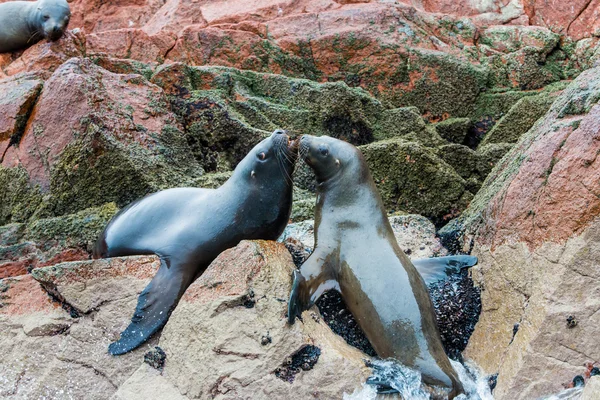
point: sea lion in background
(23, 23)
(189, 227)
(357, 254)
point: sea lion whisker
(281, 163)
(32, 37)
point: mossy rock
(98, 169)
(212, 180)
(452, 91)
(413, 179)
(408, 123)
(511, 38)
(519, 119)
(222, 105)
(218, 136)
(526, 69)
(488, 157)
(11, 234)
(454, 130)
(19, 200)
(81, 229)
(461, 158)
(303, 207)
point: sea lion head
(329, 157)
(53, 17)
(271, 158)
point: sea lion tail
(438, 268)
(155, 304)
(101, 248)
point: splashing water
(474, 382)
(408, 382)
(567, 394)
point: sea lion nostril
(279, 131)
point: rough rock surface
(418, 175)
(51, 353)
(131, 130)
(535, 229)
(48, 241)
(592, 389)
(399, 51)
(206, 354)
(234, 360)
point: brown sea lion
(357, 254)
(189, 227)
(24, 23)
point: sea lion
(357, 254)
(189, 227)
(23, 23)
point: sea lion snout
(55, 16)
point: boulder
(90, 302)
(60, 352)
(412, 178)
(49, 241)
(208, 355)
(415, 234)
(454, 129)
(534, 227)
(17, 97)
(592, 389)
(519, 119)
(110, 146)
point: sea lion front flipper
(297, 302)
(155, 304)
(437, 268)
(306, 291)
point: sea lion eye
(46, 17)
(324, 151)
(261, 156)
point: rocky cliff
(480, 116)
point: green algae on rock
(419, 181)
(519, 119)
(454, 130)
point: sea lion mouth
(293, 145)
(54, 35)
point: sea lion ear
(337, 162)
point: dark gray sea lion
(23, 23)
(357, 254)
(189, 227)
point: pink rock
(554, 195)
(17, 97)
(577, 18)
(23, 295)
(77, 93)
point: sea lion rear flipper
(437, 268)
(155, 304)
